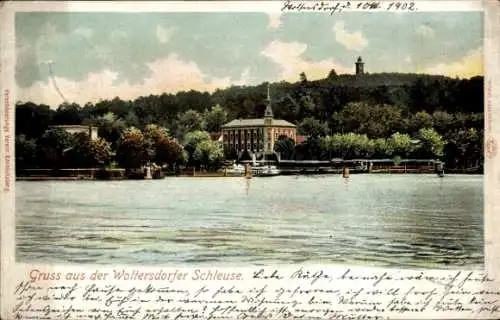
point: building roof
(73, 126)
(257, 122)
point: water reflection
(247, 186)
(346, 182)
(390, 220)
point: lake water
(418, 221)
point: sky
(96, 56)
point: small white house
(92, 131)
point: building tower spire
(269, 109)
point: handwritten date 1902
(401, 6)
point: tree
(400, 144)
(313, 128)
(209, 154)
(215, 119)
(307, 106)
(170, 152)
(197, 101)
(336, 146)
(132, 120)
(87, 153)
(78, 154)
(431, 143)
(51, 148)
(191, 120)
(358, 146)
(285, 147)
(153, 133)
(418, 94)
(382, 148)
(464, 149)
(132, 151)
(248, 108)
(163, 148)
(380, 95)
(110, 127)
(147, 110)
(192, 140)
(33, 120)
(350, 145)
(25, 152)
(442, 121)
(376, 121)
(68, 114)
(332, 74)
(313, 148)
(100, 152)
(421, 120)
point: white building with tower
(257, 136)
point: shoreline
(222, 175)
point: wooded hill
(375, 105)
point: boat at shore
(236, 170)
(265, 171)
(254, 171)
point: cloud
(425, 31)
(24, 51)
(48, 33)
(170, 74)
(99, 52)
(274, 20)
(164, 34)
(289, 56)
(352, 41)
(46, 44)
(245, 78)
(408, 59)
(468, 66)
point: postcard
(249, 160)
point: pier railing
(356, 165)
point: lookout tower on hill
(360, 67)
